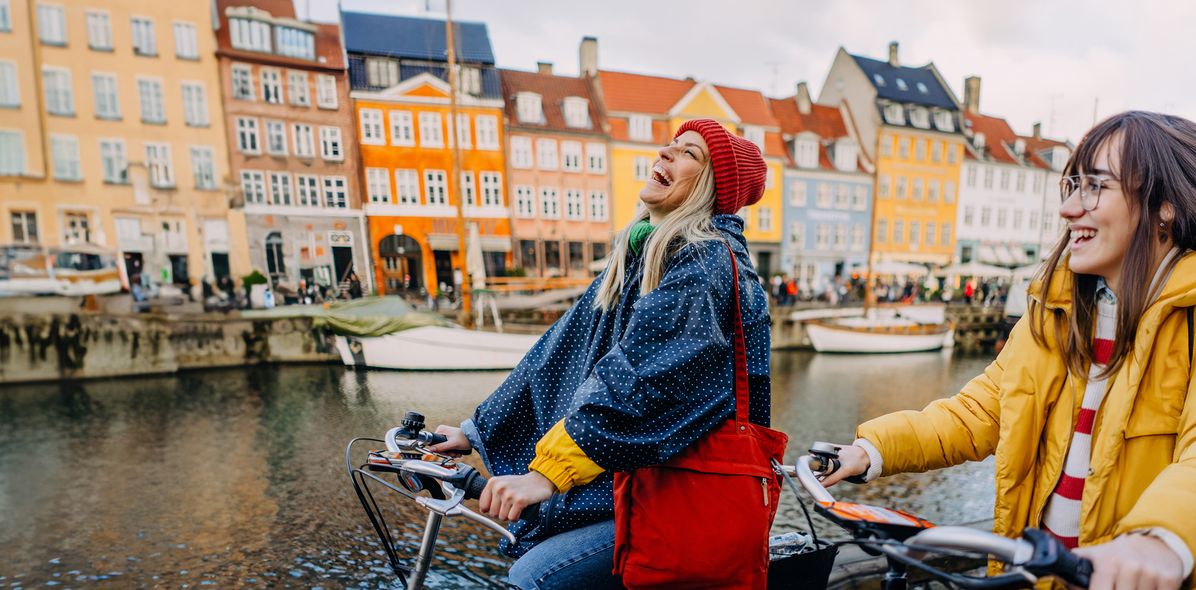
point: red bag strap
(737, 344)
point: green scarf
(638, 235)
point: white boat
(70, 271)
(436, 348)
(879, 335)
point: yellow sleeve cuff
(563, 462)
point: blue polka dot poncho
(636, 385)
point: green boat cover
(368, 316)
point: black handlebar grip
(1075, 569)
(1050, 557)
(436, 438)
(477, 482)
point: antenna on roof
(775, 66)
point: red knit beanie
(739, 169)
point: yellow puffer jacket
(1024, 406)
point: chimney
(544, 67)
(971, 94)
(893, 54)
(588, 56)
(1037, 130)
(803, 98)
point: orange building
(407, 139)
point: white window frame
(298, 92)
(253, 186)
(550, 202)
(243, 84)
(152, 100)
(574, 205)
(99, 30)
(529, 108)
(332, 145)
(407, 186)
(114, 160)
(599, 206)
(271, 85)
(546, 154)
(525, 201)
(577, 112)
(307, 190)
(859, 198)
(431, 130)
(571, 156)
(64, 150)
(639, 127)
(372, 132)
(805, 152)
(144, 34)
(469, 188)
(436, 187)
(755, 135)
(276, 137)
(797, 193)
(248, 138)
(203, 167)
(5, 17)
(486, 128)
(51, 24)
(596, 158)
(336, 192)
(27, 222)
(281, 189)
(460, 131)
(159, 164)
(59, 91)
(521, 152)
(326, 92)
(304, 137)
(764, 218)
(195, 104)
(642, 168)
(186, 42)
(402, 128)
(491, 183)
(10, 89)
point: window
(599, 208)
(901, 180)
(60, 97)
(203, 167)
(330, 143)
(308, 190)
(326, 91)
(335, 195)
(842, 197)
(295, 42)
(157, 160)
(5, 19)
(550, 203)
(280, 188)
(952, 153)
(51, 24)
(797, 193)
(431, 131)
(276, 138)
(1018, 216)
(186, 44)
(805, 151)
(371, 127)
(988, 178)
(932, 191)
(894, 114)
(822, 236)
(462, 134)
(1038, 178)
(919, 117)
(76, 228)
(305, 146)
(882, 230)
(948, 192)
(253, 185)
(381, 72)
(640, 128)
(898, 231)
(275, 257)
(253, 35)
(492, 189)
(840, 236)
(1002, 217)
(901, 85)
(986, 216)
(969, 215)
(10, 93)
(402, 128)
(1004, 180)
(754, 135)
(107, 104)
(917, 195)
(1033, 220)
(528, 108)
(65, 151)
(468, 189)
(525, 201)
(922, 88)
(407, 184)
(919, 150)
(577, 112)
(882, 186)
(99, 30)
(24, 227)
(546, 154)
(596, 157)
(886, 146)
(297, 91)
(642, 168)
(377, 185)
(846, 154)
(487, 132)
(521, 152)
(247, 140)
(945, 235)
(571, 156)
(944, 121)
(764, 218)
(435, 187)
(573, 205)
(242, 82)
(149, 91)
(271, 86)
(1021, 181)
(859, 198)
(824, 195)
(857, 237)
(971, 176)
(903, 148)
(144, 42)
(112, 161)
(469, 79)
(795, 235)
(929, 234)
(195, 104)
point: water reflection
(236, 477)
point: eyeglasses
(1088, 186)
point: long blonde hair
(688, 224)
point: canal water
(236, 478)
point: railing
(528, 284)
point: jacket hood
(1178, 291)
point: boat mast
(455, 172)
(868, 293)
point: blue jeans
(581, 559)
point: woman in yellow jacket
(1090, 408)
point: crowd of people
(788, 291)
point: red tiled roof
(1037, 145)
(999, 140)
(823, 121)
(750, 105)
(327, 37)
(637, 93)
(552, 90)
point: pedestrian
(1089, 406)
(354, 286)
(640, 370)
(969, 291)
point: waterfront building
(644, 111)
(111, 135)
(827, 196)
(558, 172)
(909, 123)
(398, 70)
(292, 146)
(1055, 153)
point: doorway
(133, 269)
(342, 262)
(444, 270)
(402, 264)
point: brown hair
(1158, 165)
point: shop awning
(449, 242)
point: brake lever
(453, 506)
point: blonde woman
(638, 370)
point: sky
(1064, 63)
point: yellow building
(111, 134)
(645, 111)
(909, 123)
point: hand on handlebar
(1133, 562)
(457, 443)
(506, 496)
(853, 460)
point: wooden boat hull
(434, 348)
(887, 337)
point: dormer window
(640, 128)
(919, 117)
(805, 151)
(754, 135)
(577, 112)
(249, 34)
(978, 141)
(894, 114)
(880, 80)
(944, 121)
(1019, 147)
(528, 108)
(294, 42)
(923, 89)
(901, 85)
(469, 80)
(846, 153)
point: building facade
(111, 135)
(558, 173)
(827, 193)
(398, 73)
(908, 122)
(292, 146)
(1054, 153)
